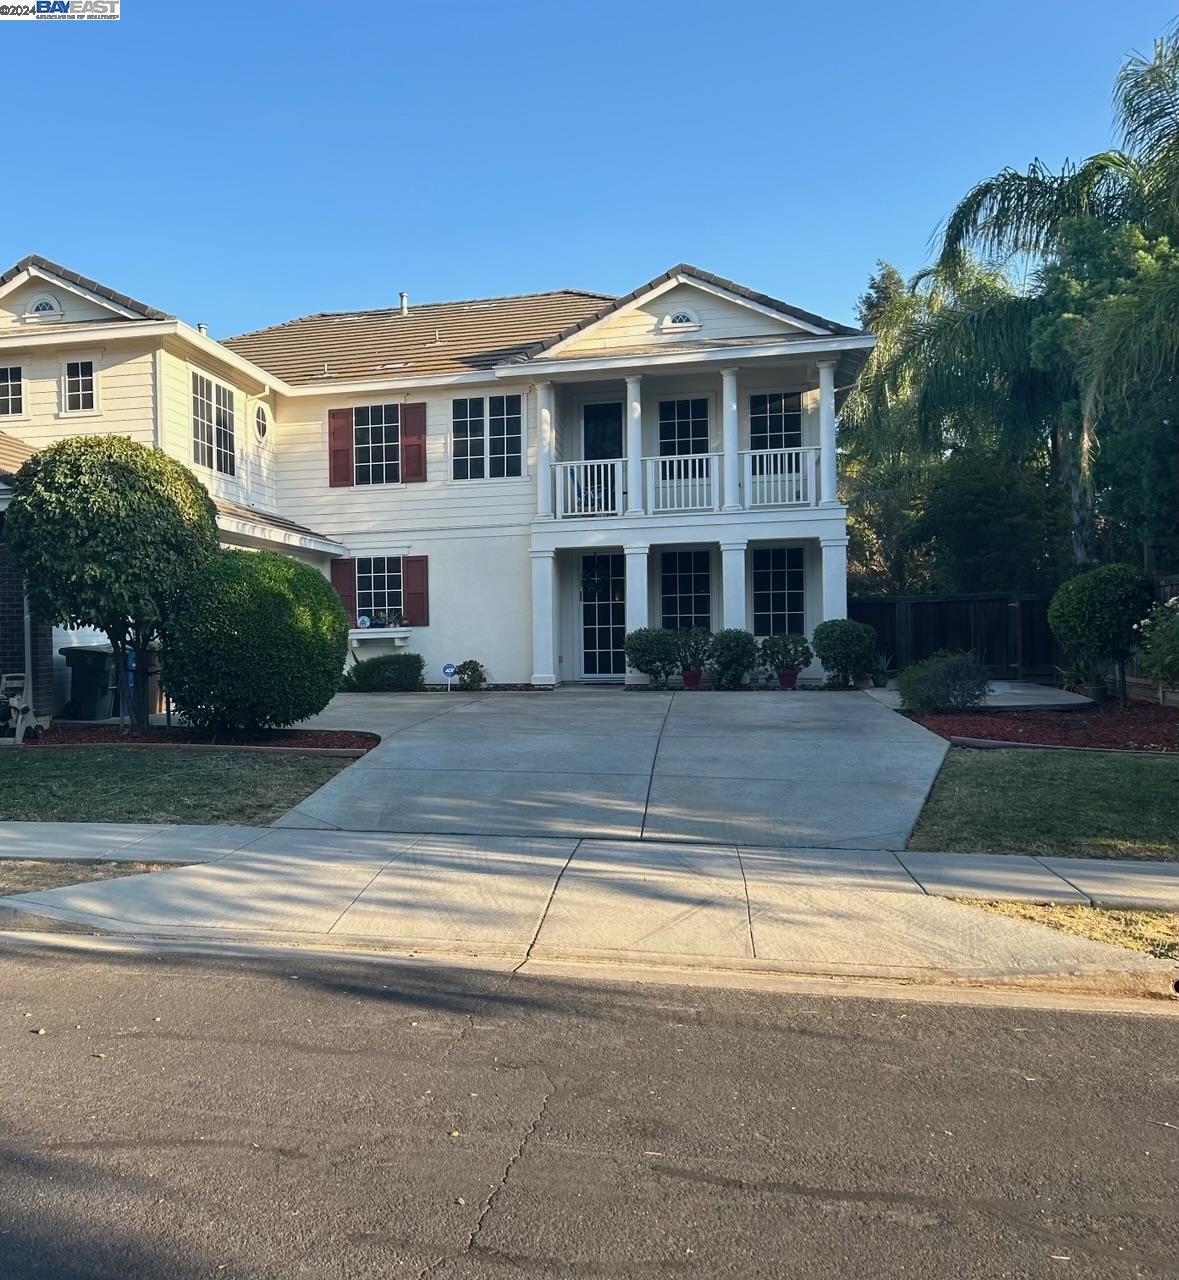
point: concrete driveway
(814, 770)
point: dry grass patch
(28, 875)
(1154, 932)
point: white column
(729, 421)
(733, 584)
(834, 552)
(830, 498)
(544, 449)
(637, 596)
(635, 506)
(544, 593)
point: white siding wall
(74, 309)
(124, 386)
(641, 325)
(255, 482)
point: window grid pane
(777, 591)
(683, 427)
(378, 586)
(467, 432)
(202, 420)
(685, 590)
(223, 435)
(775, 421)
(11, 391)
(505, 436)
(376, 437)
(79, 386)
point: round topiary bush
(731, 657)
(259, 642)
(1095, 617)
(846, 649)
(654, 652)
(942, 682)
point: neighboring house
(521, 480)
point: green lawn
(129, 784)
(1070, 803)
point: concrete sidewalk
(855, 912)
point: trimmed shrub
(731, 657)
(786, 653)
(693, 647)
(386, 673)
(654, 652)
(846, 649)
(1095, 617)
(471, 674)
(1159, 655)
(943, 682)
(259, 642)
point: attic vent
(680, 320)
(43, 307)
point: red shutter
(413, 443)
(415, 590)
(344, 581)
(340, 470)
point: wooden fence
(1008, 631)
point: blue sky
(242, 164)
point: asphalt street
(187, 1116)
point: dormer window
(43, 307)
(681, 320)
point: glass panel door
(601, 432)
(603, 615)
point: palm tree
(970, 362)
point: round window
(261, 422)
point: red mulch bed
(74, 735)
(1139, 727)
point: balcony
(684, 483)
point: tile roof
(433, 338)
(237, 512)
(83, 282)
(13, 452)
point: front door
(601, 432)
(603, 616)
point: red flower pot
(691, 679)
(788, 679)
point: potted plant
(880, 675)
(695, 644)
(786, 656)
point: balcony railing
(589, 488)
(780, 477)
(684, 482)
(687, 482)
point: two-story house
(521, 480)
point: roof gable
(725, 310)
(81, 300)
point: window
(684, 589)
(777, 591)
(775, 421)
(213, 443)
(12, 399)
(376, 433)
(79, 386)
(378, 586)
(681, 319)
(43, 307)
(683, 427)
(488, 437)
(261, 422)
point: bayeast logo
(63, 10)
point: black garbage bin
(92, 682)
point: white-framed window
(775, 420)
(376, 439)
(378, 587)
(43, 307)
(213, 431)
(487, 437)
(12, 391)
(261, 422)
(680, 320)
(683, 426)
(78, 387)
(778, 591)
(685, 591)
